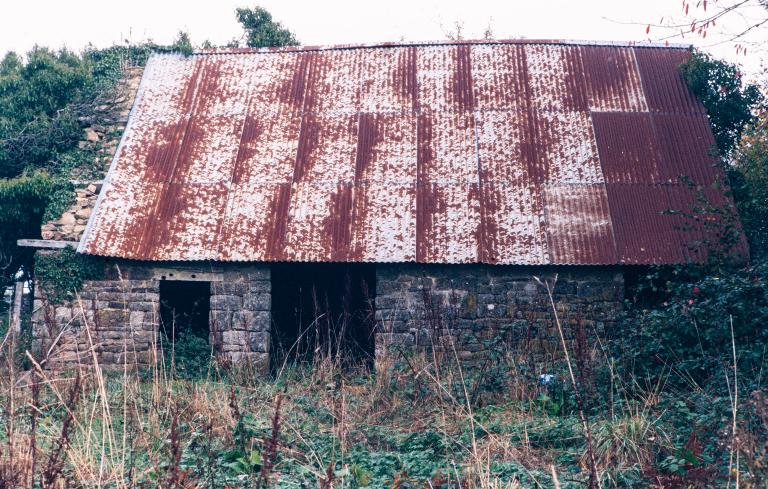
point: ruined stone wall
(103, 141)
(117, 317)
(71, 225)
(476, 308)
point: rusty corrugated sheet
(579, 224)
(664, 87)
(627, 146)
(504, 152)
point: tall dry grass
(87, 426)
(78, 424)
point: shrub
(61, 274)
(190, 355)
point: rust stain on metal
(663, 84)
(256, 221)
(462, 79)
(556, 78)
(513, 218)
(448, 228)
(686, 145)
(613, 79)
(448, 143)
(504, 145)
(499, 77)
(504, 152)
(579, 226)
(384, 227)
(627, 147)
(645, 232)
(327, 148)
(567, 149)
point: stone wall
(117, 317)
(472, 308)
(478, 307)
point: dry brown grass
(94, 428)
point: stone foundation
(467, 310)
(117, 318)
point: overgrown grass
(334, 429)
(419, 421)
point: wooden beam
(48, 244)
(85, 183)
(18, 295)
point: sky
(76, 23)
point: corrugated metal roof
(508, 152)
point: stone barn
(413, 191)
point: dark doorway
(184, 310)
(322, 309)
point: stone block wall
(474, 308)
(117, 317)
(241, 316)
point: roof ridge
(463, 42)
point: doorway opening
(184, 325)
(322, 310)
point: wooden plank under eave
(49, 244)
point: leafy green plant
(261, 31)
(729, 101)
(749, 180)
(62, 273)
(190, 354)
(23, 203)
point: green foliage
(728, 100)
(43, 85)
(183, 44)
(39, 108)
(261, 31)
(59, 200)
(741, 135)
(749, 180)
(61, 274)
(189, 354)
(690, 331)
(23, 201)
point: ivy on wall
(62, 273)
(23, 203)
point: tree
(737, 113)
(261, 31)
(36, 126)
(183, 43)
(730, 103)
(743, 18)
(749, 179)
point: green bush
(691, 330)
(61, 274)
(189, 354)
(23, 204)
